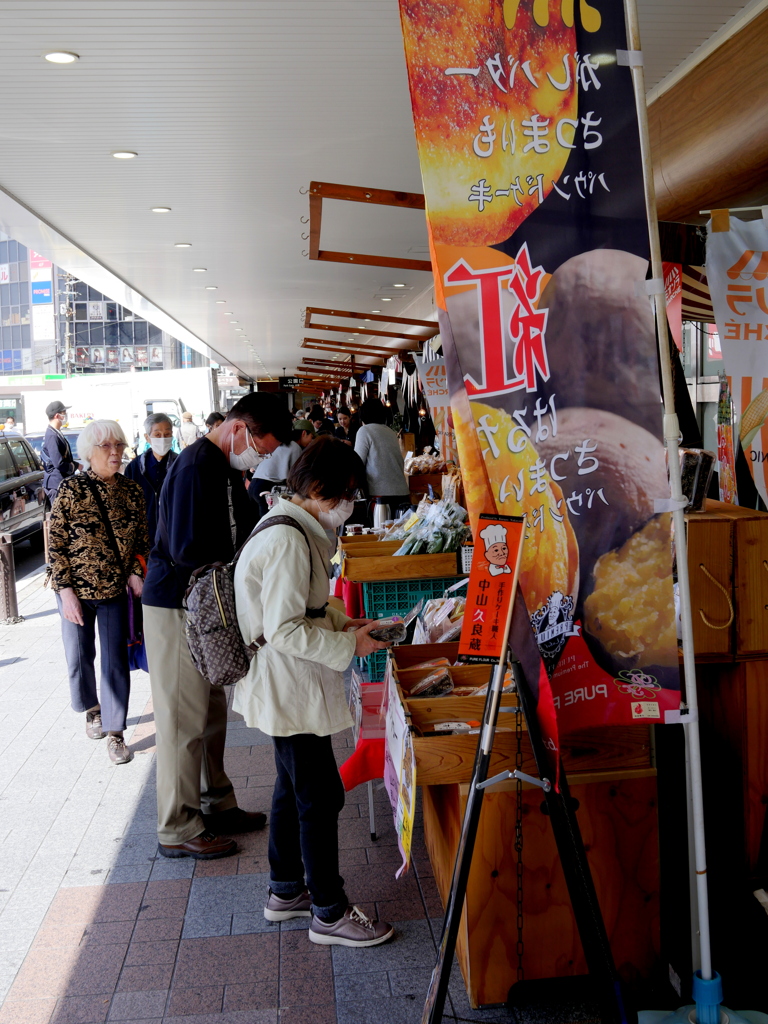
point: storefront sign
(5, 273)
(737, 271)
(491, 587)
(42, 292)
(529, 151)
(673, 296)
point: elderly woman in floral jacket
(98, 541)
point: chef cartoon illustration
(496, 548)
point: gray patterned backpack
(215, 642)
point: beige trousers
(191, 729)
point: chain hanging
(519, 836)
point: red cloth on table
(365, 764)
(352, 595)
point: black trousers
(80, 651)
(303, 827)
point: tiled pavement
(94, 927)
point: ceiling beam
(354, 329)
(354, 350)
(319, 190)
(431, 325)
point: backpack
(218, 650)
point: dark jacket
(57, 461)
(151, 483)
(194, 526)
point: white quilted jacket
(295, 683)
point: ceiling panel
(233, 107)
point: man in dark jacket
(205, 515)
(149, 468)
(55, 451)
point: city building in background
(53, 324)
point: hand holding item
(356, 624)
(70, 606)
(365, 644)
(135, 585)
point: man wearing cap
(273, 470)
(56, 453)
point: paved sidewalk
(95, 927)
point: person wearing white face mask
(294, 689)
(205, 515)
(149, 468)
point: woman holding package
(294, 689)
(98, 539)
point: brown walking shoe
(93, 729)
(206, 846)
(353, 929)
(118, 752)
(280, 908)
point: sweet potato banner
(528, 142)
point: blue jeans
(80, 651)
(303, 827)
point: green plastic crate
(397, 597)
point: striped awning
(697, 302)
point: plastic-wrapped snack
(431, 663)
(508, 687)
(436, 684)
(392, 630)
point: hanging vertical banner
(434, 384)
(529, 149)
(737, 271)
(673, 296)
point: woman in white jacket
(294, 689)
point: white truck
(126, 397)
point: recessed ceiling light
(398, 286)
(199, 270)
(61, 57)
(385, 298)
(160, 209)
(183, 245)
(124, 154)
(227, 314)
(234, 321)
(221, 302)
(239, 328)
(375, 310)
(211, 287)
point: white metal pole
(671, 436)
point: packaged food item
(696, 467)
(431, 663)
(508, 687)
(392, 630)
(433, 528)
(436, 684)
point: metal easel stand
(707, 984)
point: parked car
(36, 440)
(22, 499)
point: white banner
(737, 271)
(434, 384)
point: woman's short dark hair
(317, 413)
(372, 411)
(329, 469)
(343, 410)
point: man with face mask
(149, 468)
(204, 516)
(55, 452)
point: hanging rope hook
(725, 594)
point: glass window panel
(15, 318)
(7, 467)
(95, 296)
(16, 335)
(5, 337)
(12, 250)
(81, 311)
(3, 252)
(13, 272)
(97, 334)
(709, 425)
(21, 251)
(26, 336)
(23, 292)
(711, 353)
(14, 294)
(155, 335)
(23, 271)
(80, 288)
(81, 334)
(126, 332)
(5, 316)
(5, 294)
(110, 334)
(24, 313)
(111, 311)
(140, 332)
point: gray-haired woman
(149, 468)
(98, 539)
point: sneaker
(280, 909)
(118, 752)
(93, 729)
(353, 929)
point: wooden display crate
(373, 568)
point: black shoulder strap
(111, 538)
(275, 521)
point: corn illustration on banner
(529, 150)
(737, 271)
